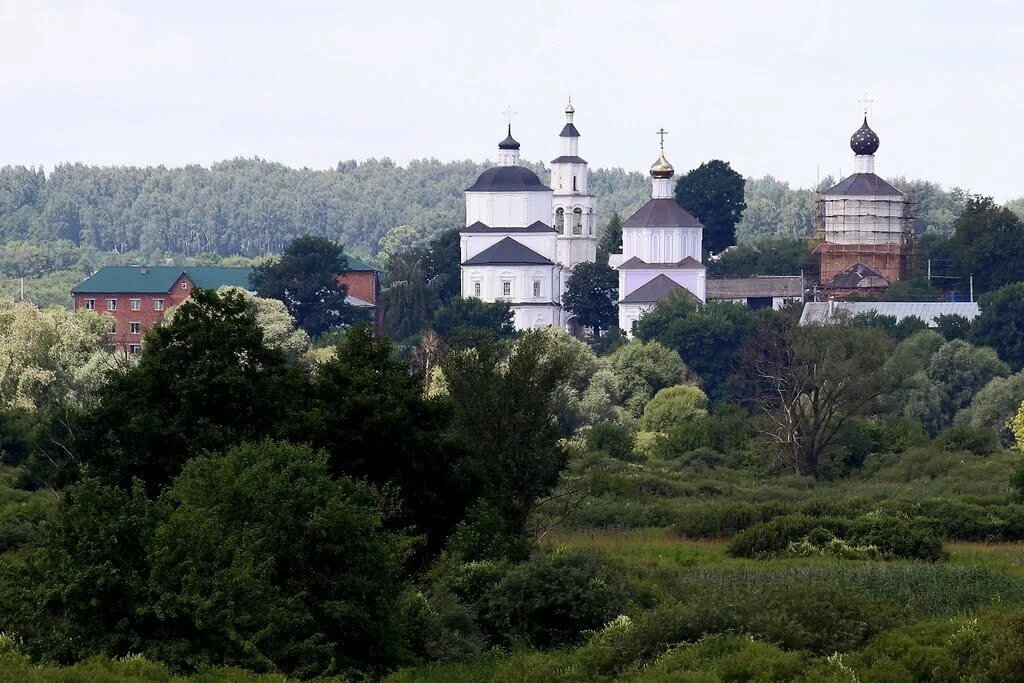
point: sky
(773, 87)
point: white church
(523, 238)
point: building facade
(662, 247)
(522, 238)
(863, 220)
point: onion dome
(661, 168)
(509, 142)
(864, 141)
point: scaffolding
(878, 232)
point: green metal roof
(355, 265)
(160, 279)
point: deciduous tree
(590, 294)
(713, 192)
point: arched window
(654, 249)
(574, 184)
(577, 221)
(669, 256)
(559, 219)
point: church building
(522, 238)
(661, 250)
(865, 226)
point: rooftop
(862, 185)
(657, 289)
(662, 213)
(819, 312)
(507, 252)
(160, 279)
(759, 286)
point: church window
(669, 256)
(574, 183)
(506, 288)
(536, 288)
(654, 249)
(577, 221)
(476, 289)
(559, 219)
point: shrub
(617, 440)
(899, 434)
(485, 534)
(552, 599)
(673, 407)
(893, 537)
(965, 437)
(678, 441)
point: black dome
(864, 141)
(509, 142)
(508, 179)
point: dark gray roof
(820, 312)
(636, 264)
(568, 160)
(657, 289)
(509, 142)
(758, 286)
(508, 179)
(507, 252)
(864, 140)
(662, 213)
(863, 184)
(536, 226)
(569, 131)
(857, 275)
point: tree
(769, 256)
(1000, 324)
(986, 243)
(674, 407)
(306, 280)
(643, 369)
(952, 326)
(205, 382)
(467, 321)
(706, 336)
(713, 192)
(807, 383)
(611, 236)
(995, 406)
(49, 357)
(590, 294)
(268, 562)
(916, 289)
(441, 264)
(502, 413)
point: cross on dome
(662, 168)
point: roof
(636, 264)
(662, 213)
(864, 140)
(536, 226)
(817, 312)
(657, 289)
(508, 179)
(569, 131)
(856, 276)
(568, 160)
(862, 184)
(356, 265)
(759, 286)
(507, 252)
(160, 279)
(509, 142)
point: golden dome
(661, 168)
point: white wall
(541, 242)
(508, 209)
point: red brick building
(137, 297)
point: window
(184, 285)
(135, 328)
(111, 304)
(476, 289)
(536, 288)
(158, 304)
(134, 348)
(559, 219)
(90, 304)
(574, 183)
(113, 328)
(577, 221)
(506, 288)
(136, 304)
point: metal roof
(569, 131)
(508, 179)
(759, 286)
(829, 311)
(657, 289)
(507, 252)
(662, 213)
(568, 160)
(862, 185)
(160, 279)
(636, 264)
(536, 226)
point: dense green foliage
(713, 192)
(590, 295)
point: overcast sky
(772, 87)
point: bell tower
(574, 208)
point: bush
(892, 536)
(899, 434)
(674, 407)
(965, 437)
(616, 440)
(485, 534)
(552, 599)
(678, 441)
